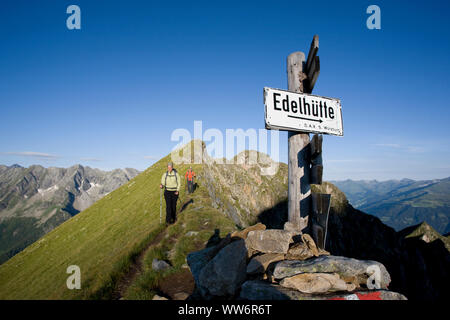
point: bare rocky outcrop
(241, 189)
(254, 266)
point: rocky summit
(269, 264)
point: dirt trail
(135, 269)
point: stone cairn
(271, 264)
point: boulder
(225, 273)
(198, 260)
(156, 297)
(243, 233)
(269, 241)
(158, 265)
(317, 283)
(260, 263)
(347, 268)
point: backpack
(167, 173)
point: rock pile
(271, 264)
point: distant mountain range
(35, 200)
(402, 203)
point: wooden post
(299, 190)
(302, 77)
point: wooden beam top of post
(312, 68)
(313, 73)
(312, 51)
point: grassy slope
(206, 224)
(102, 240)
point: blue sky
(110, 95)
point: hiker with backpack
(189, 176)
(171, 183)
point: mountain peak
(423, 230)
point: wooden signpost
(298, 162)
(300, 113)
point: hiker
(171, 182)
(189, 176)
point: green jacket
(173, 181)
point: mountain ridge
(35, 199)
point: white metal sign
(286, 110)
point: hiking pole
(179, 200)
(160, 205)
